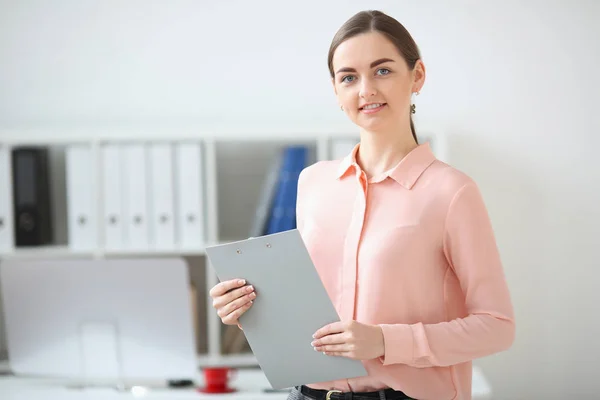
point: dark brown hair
(376, 21)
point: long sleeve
(470, 248)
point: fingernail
(314, 336)
(242, 281)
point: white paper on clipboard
(290, 306)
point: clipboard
(290, 306)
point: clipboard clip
(266, 245)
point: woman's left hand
(350, 339)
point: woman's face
(373, 83)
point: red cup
(216, 379)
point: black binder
(31, 194)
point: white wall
(512, 85)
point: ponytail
(412, 129)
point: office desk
(249, 382)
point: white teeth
(371, 106)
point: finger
(225, 286)
(232, 306)
(334, 348)
(337, 338)
(347, 354)
(335, 327)
(232, 319)
(227, 298)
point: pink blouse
(412, 251)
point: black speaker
(31, 194)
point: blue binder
(283, 211)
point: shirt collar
(406, 172)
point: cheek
(347, 99)
(397, 94)
(347, 95)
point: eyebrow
(373, 64)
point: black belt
(320, 394)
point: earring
(342, 108)
(413, 106)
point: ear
(418, 74)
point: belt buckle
(328, 395)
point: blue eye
(384, 71)
(345, 79)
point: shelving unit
(233, 169)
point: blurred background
(511, 98)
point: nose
(367, 89)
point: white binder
(6, 209)
(136, 196)
(81, 219)
(190, 204)
(162, 224)
(112, 193)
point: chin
(373, 125)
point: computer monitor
(96, 321)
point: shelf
(235, 360)
(60, 251)
(50, 251)
(64, 251)
(97, 134)
(232, 168)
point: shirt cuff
(398, 343)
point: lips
(371, 106)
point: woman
(401, 240)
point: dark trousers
(306, 393)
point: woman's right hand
(231, 299)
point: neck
(382, 150)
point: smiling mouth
(371, 107)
